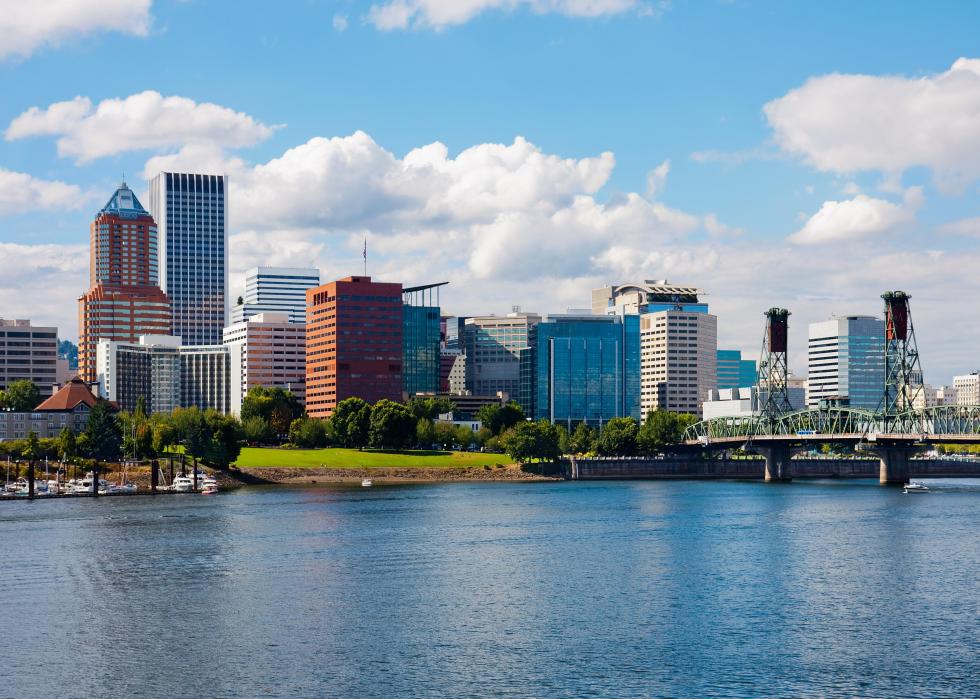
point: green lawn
(252, 457)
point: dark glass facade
(582, 369)
(420, 342)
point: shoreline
(380, 474)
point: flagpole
(365, 257)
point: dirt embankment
(390, 475)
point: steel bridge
(894, 431)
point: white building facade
(276, 290)
(28, 352)
(272, 351)
(967, 388)
(678, 360)
(846, 359)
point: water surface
(492, 589)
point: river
(562, 589)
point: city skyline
(702, 174)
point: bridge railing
(841, 421)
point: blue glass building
(582, 369)
(735, 372)
(421, 338)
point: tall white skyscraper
(191, 214)
(276, 290)
(678, 360)
(847, 360)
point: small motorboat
(915, 487)
(366, 483)
(182, 484)
(124, 488)
(209, 489)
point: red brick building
(125, 300)
(353, 343)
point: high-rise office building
(735, 372)
(353, 343)
(28, 352)
(124, 300)
(582, 368)
(421, 339)
(492, 345)
(678, 360)
(276, 290)
(192, 217)
(168, 375)
(846, 360)
(966, 389)
(273, 352)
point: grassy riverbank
(259, 458)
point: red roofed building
(69, 407)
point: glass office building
(735, 372)
(191, 213)
(846, 359)
(582, 369)
(420, 340)
(276, 290)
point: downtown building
(846, 361)
(191, 213)
(493, 345)
(29, 352)
(69, 406)
(678, 360)
(276, 290)
(735, 372)
(649, 297)
(272, 351)
(966, 389)
(581, 369)
(124, 300)
(169, 375)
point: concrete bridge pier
(779, 462)
(894, 469)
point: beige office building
(28, 352)
(273, 352)
(678, 360)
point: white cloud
(340, 22)
(854, 123)
(437, 14)
(657, 179)
(144, 121)
(25, 27)
(860, 217)
(42, 283)
(965, 227)
(20, 192)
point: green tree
(308, 433)
(351, 423)
(103, 439)
(223, 439)
(499, 417)
(392, 425)
(662, 430)
(67, 445)
(255, 430)
(532, 440)
(190, 431)
(482, 436)
(22, 396)
(463, 436)
(425, 433)
(430, 407)
(137, 432)
(618, 437)
(583, 439)
(277, 406)
(444, 435)
(164, 433)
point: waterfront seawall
(754, 469)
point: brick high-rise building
(124, 300)
(353, 343)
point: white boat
(182, 484)
(85, 485)
(366, 483)
(915, 487)
(122, 488)
(210, 489)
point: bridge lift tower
(774, 392)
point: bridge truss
(929, 424)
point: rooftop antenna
(365, 256)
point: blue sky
(862, 179)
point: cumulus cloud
(657, 179)
(437, 14)
(50, 276)
(144, 121)
(340, 22)
(854, 123)
(965, 227)
(20, 192)
(25, 27)
(860, 217)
